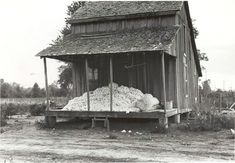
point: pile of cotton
(124, 99)
(147, 102)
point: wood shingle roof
(105, 9)
(145, 39)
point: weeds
(160, 128)
(41, 124)
(3, 122)
(112, 136)
(19, 109)
(210, 120)
(37, 109)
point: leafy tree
(36, 91)
(5, 90)
(65, 71)
(65, 78)
(206, 88)
(195, 30)
(202, 56)
(55, 91)
(72, 8)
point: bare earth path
(25, 143)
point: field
(25, 138)
(58, 100)
(74, 141)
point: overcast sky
(28, 26)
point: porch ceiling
(145, 39)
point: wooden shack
(146, 45)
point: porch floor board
(112, 114)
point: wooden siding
(146, 77)
(184, 46)
(78, 74)
(141, 71)
(110, 26)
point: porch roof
(145, 39)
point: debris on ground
(123, 131)
(138, 133)
(111, 136)
(232, 132)
(124, 99)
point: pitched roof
(120, 8)
(145, 39)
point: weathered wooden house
(145, 45)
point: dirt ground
(22, 141)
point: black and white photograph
(117, 81)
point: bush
(37, 109)
(210, 120)
(41, 124)
(13, 109)
(3, 122)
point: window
(185, 68)
(185, 60)
(93, 73)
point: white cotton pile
(124, 99)
(148, 102)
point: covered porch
(101, 60)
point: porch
(143, 59)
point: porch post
(165, 120)
(177, 116)
(163, 80)
(87, 85)
(46, 82)
(111, 83)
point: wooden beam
(46, 83)
(135, 66)
(163, 80)
(87, 84)
(113, 114)
(111, 83)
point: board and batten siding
(116, 25)
(184, 49)
(176, 86)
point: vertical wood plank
(111, 83)
(87, 85)
(74, 80)
(145, 75)
(163, 80)
(46, 83)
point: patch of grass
(13, 109)
(37, 109)
(41, 124)
(160, 128)
(112, 136)
(3, 122)
(10, 109)
(210, 121)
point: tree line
(14, 90)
